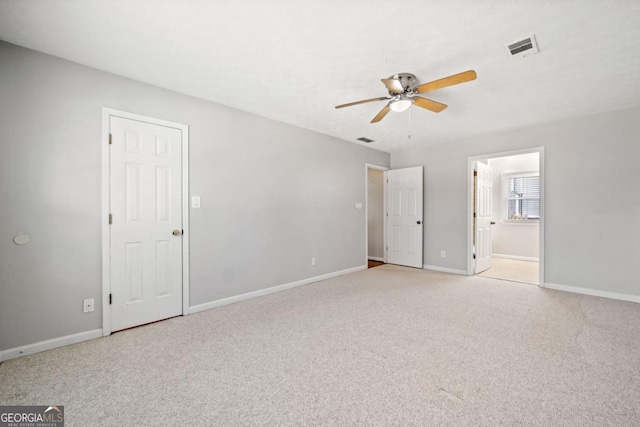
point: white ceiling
(294, 60)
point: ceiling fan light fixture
(401, 104)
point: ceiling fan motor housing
(407, 80)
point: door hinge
(110, 298)
(110, 139)
(387, 247)
(474, 256)
(475, 173)
(387, 213)
(474, 214)
(110, 219)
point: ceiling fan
(403, 90)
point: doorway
(375, 220)
(145, 220)
(401, 227)
(506, 222)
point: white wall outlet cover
(195, 202)
(21, 239)
(358, 205)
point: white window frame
(504, 178)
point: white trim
(385, 213)
(470, 219)
(104, 219)
(543, 215)
(445, 269)
(186, 230)
(38, 347)
(593, 292)
(368, 166)
(516, 257)
(541, 222)
(375, 258)
(378, 167)
(262, 292)
(107, 113)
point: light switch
(358, 205)
(195, 202)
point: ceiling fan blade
(428, 104)
(393, 85)
(455, 79)
(361, 102)
(381, 114)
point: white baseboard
(517, 258)
(375, 258)
(593, 292)
(98, 333)
(225, 301)
(445, 270)
(26, 350)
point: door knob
(419, 222)
(177, 232)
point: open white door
(146, 229)
(404, 216)
(482, 215)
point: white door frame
(482, 239)
(368, 166)
(107, 113)
(539, 150)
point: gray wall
(375, 212)
(273, 195)
(592, 214)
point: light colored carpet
(383, 346)
(513, 270)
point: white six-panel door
(483, 212)
(146, 227)
(404, 216)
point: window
(521, 196)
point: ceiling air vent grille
(524, 47)
(363, 139)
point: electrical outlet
(88, 305)
(443, 254)
(313, 261)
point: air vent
(363, 139)
(524, 47)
